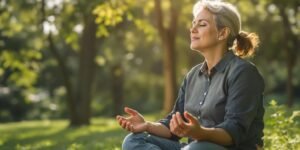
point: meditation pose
(220, 101)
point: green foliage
(282, 130)
(24, 74)
(111, 13)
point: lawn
(105, 134)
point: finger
(176, 123)
(128, 124)
(191, 119)
(130, 111)
(180, 121)
(172, 129)
(120, 119)
(174, 119)
(171, 125)
(123, 124)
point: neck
(213, 56)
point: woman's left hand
(191, 129)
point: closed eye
(199, 25)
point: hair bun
(246, 44)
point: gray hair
(226, 15)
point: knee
(131, 140)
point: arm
(215, 135)
(136, 123)
(158, 129)
(245, 95)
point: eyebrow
(199, 20)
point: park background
(67, 67)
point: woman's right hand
(135, 122)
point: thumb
(190, 118)
(130, 111)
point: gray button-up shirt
(230, 97)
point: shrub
(282, 128)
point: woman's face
(204, 33)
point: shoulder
(239, 65)
(243, 69)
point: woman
(220, 102)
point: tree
(286, 37)
(167, 35)
(94, 31)
(79, 91)
(291, 40)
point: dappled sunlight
(65, 64)
(56, 135)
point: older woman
(220, 102)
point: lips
(193, 38)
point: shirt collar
(220, 66)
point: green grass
(104, 133)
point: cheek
(212, 34)
(208, 34)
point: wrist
(147, 126)
(201, 134)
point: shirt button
(201, 102)
(205, 93)
(198, 117)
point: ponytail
(245, 44)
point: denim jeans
(145, 141)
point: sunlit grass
(103, 133)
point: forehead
(204, 14)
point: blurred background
(75, 60)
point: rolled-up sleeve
(245, 91)
(178, 107)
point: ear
(224, 33)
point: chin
(195, 48)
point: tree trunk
(117, 88)
(168, 37)
(61, 63)
(64, 73)
(291, 53)
(82, 99)
(289, 84)
(169, 76)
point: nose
(193, 29)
